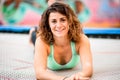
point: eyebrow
(61, 17)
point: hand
(77, 76)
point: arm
(40, 62)
(86, 57)
(86, 60)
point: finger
(84, 78)
(72, 77)
(76, 77)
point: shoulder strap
(51, 49)
(73, 47)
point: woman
(61, 44)
(80, 9)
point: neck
(62, 41)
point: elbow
(39, 75)
(91, 70)
(88, 71)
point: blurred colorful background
(95, 13)
(101, 21)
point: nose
(58, 25)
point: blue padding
(18, 29)
(93, 31)
(102, 31)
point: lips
(59, 30)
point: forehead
(54, 15)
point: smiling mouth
(59, 30)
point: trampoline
(90, 32)
(16, 56)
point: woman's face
(58, 24)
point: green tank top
(53, 65)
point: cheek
(67, 26)
(51, 26)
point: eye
(63, 19)
(53, 21)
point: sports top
(53, 65)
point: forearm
(82, 75)
(45, 75)
(86, 72)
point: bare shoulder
(39, 41)
(41, 45)
(84, 40)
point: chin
(60, 35)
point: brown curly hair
(75, 28)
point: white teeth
(60, 30)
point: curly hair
(75, 28)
